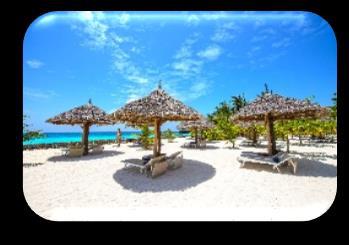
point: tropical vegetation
(30, 134)
(144, 137)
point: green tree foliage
(144, 137)
(238, 102)
(224, 129)
(30, 134)
(168, 134)
(334, 107)
(222, 112)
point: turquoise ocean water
(76, 137)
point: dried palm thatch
(156, 108)
(85, 115)
(280, 107)
(271, 107)
(157, 105)
(200, 124)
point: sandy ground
(209, 186)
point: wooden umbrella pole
(196, 136)
(159, 137)
(86, 129)
(156, 150)
(270, 131)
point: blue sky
(202, 58)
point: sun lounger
(249, 143)
(275, 161)
(73, 151)
(175, 160)
(136, 163)
(190, 144)
(96, 149)
(202, 143)
(153, 167)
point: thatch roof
(87, 113)
(202, 123)
(157, 105)
(280, 107)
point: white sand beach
(210, 185)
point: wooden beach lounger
(156, 166)
(73, 151)
(275, 161)
(175, 160)
(96, 149)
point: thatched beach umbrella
(271, 107)
(85, 115)
(200, 124)
(156, 108)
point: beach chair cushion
(276, 159)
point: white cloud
(47, 19)
(96, 34)
(259, 22)
(85, 15)
(269, 31)
(196, 90)
(135, 50)
(252, 53)
(259, 38)
(35, 64)
(124, 18)
(188, 66)
(193, 19)
(132, 97)
(211, 53)
(138, 79)
(184, 52)
(222, 35)
(282, 43)
(38, 94)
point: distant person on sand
(118, 137)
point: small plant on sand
(169, 135)
(144, 137)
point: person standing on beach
(118, 137)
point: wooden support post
(196, 136)
(270, 131)
(86, 129)
(157, 138)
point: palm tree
(238, 102)
(222, 112)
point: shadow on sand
(91, 156)
(208, 147)
(315, 155)
(27, 165)
(314, 168)
(312, 144)
(191, 174)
